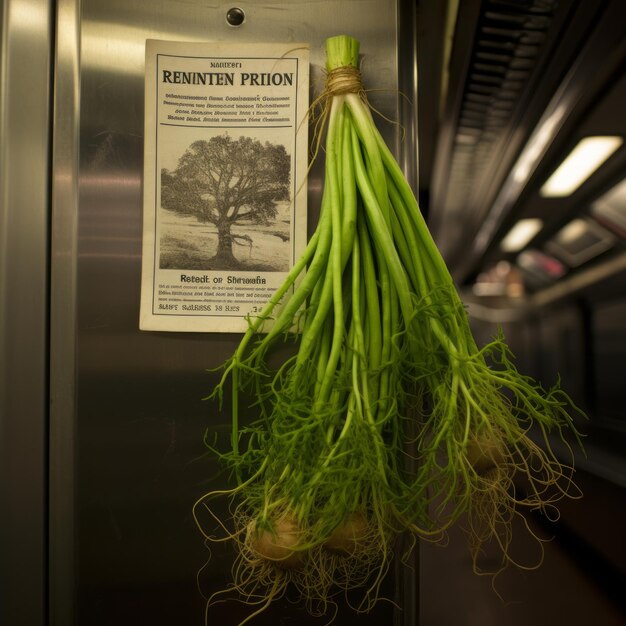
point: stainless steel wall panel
(133, 400)
(63, 261)
(25, 59)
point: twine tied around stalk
(340, 81)
(345, 79)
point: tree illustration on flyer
(226, 206)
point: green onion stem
(376, 413)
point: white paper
(225, 168)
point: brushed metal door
(128, 419)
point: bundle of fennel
(322, 493)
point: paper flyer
(225, 164)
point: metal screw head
(235, 16)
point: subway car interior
(525, 85)
(509, 120)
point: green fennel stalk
(382, 336)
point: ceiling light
(611, 207)
(572, 232)
(521, 234)
(582, 161)
(579, 241)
